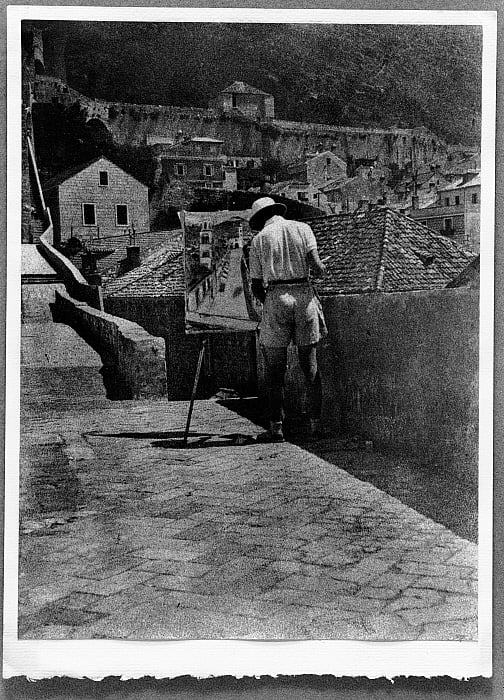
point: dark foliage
(354, 75)
(63, 139)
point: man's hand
(258, 290)
(316, 265)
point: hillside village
(140, 269)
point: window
(448, 225)
(205, 254)
(89, 214)
(314, 196)
(474, 198)
(205, 238)
(447, 202)
(302, 196)
(103, 178)
(207, 170)
(328, 161)
(180, 169)
(122, 218)
(457, 199)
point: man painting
(282, 255)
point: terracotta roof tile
(243, 88)
(162, 275)
(384, 251)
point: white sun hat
(260, 205)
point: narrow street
(228, 309)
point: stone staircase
(58, 367)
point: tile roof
(114, 248)
(356, 187)
(242, 88)
(162, 275)
(469, 277)
(384, 251)
(70, 172)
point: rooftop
(161, 275)
(112, 250)
(70, 172)
(240, 87)
(476, 180)
(205, 139)
(384, 251)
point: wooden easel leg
(194, 390)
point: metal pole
(194, 389)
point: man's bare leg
(308, 362)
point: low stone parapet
(73, 280)
(133, 360)
(400, 369)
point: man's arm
(258, 289)
(316, 265)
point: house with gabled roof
(95, 200)
(382, 250)
(456, 213)
(246, 99)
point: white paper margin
(130, 659)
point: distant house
(382, 250)
(348, 195)
(318, 168)
(199, 161)
(308, 176)
(456, 213)
(95, 200)
(302, 192)
(247, 100)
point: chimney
(89, 268)
(133, 256)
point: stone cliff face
(285, 141)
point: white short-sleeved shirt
(279, 251)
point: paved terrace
(125, 534)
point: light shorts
(291, 312)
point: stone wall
(74, 282)
(229, 361)
(244, 136)
(133, 361)
(402, 370)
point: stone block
(365, 571)
(455, 608)
(115, 584)
(322, 585)
(449, 584)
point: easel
(194, 390)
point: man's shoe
(269, 436)
(274, 434)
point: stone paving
(125, 534)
